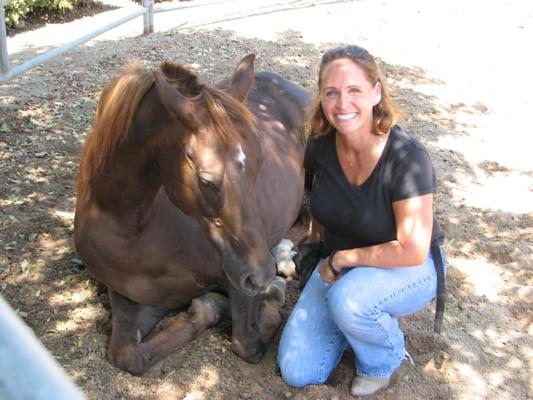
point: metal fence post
(148, 17)
(4, 57)
(27, 369)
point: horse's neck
(127, 185)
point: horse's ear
(174, 102)
(242, 78)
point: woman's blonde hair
(385, 113)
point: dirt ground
(458, 94)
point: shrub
(19, 9)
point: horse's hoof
(212, 307)
(250, 352)
(128, 358)
(283, 255)
(287, 269)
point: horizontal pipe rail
(51, 54)
(148, 10)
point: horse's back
(279, 106)
(296, 92)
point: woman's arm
(414, 224)
(316, 231)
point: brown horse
(183, 190)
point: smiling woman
(372, 195)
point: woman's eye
(331, 94)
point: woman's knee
(349, 300)
(296, 373)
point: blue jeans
(360, 310)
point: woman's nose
(342, 99)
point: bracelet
(330, 263)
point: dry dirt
(484, 200)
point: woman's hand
(326, 274)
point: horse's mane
(121, 97)
(222, 108)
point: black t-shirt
(362, 215)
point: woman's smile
(345, 117)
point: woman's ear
(377, 93)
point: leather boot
(368, 385)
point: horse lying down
(183, 190)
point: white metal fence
(147, 11)
(27, 370)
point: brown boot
(363, 386)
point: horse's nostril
(250, 283)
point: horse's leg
(255, 319)
(272, 301)
(132, 322)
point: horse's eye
(208, 185)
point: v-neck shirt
(362, 215)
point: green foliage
(19, 9)
(140, 2)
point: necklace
(346, 156)
(350, 162)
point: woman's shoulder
(319, 143)
(404, 142)
(323, 138)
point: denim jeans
(361, 310)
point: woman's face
(347, 96)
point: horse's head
(210, 165)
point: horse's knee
(270, 318)
(275, 293)
(128, 358)
(269, 324)
(209, 309)
(251, 334)
(250, 350)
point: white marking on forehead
(241, 157)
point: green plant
(19, 9)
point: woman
(372, 197)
